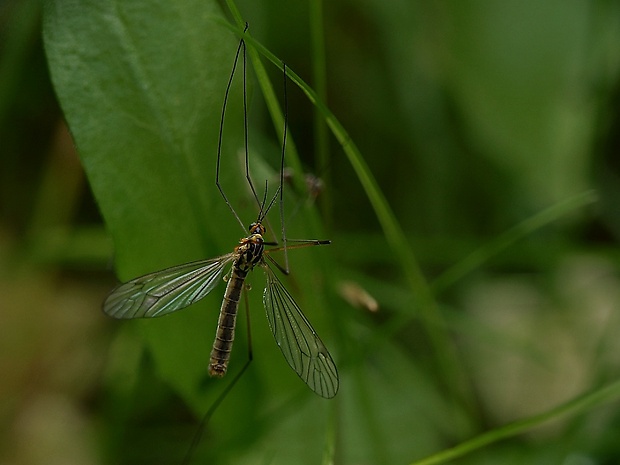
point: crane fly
(166, 291)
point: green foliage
(139, 92)
(470, 141)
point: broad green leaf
(141, 85)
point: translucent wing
(166, 291)
(301, 346)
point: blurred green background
(490, 249)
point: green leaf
(141, 85)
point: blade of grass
(319, 78)
(509, 237)
(583, 403)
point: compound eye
(257, 228)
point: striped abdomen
(249, 253)
(220, 354)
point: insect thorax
(250, 252)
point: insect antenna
(263, 211)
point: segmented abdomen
(225, 335)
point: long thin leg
(245, 127)
(219, 142)
(207, 416)
(299, 243)
(282, 170)
(279, 194)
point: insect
(166, 291)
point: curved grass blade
(166, 291)
(301, 346)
